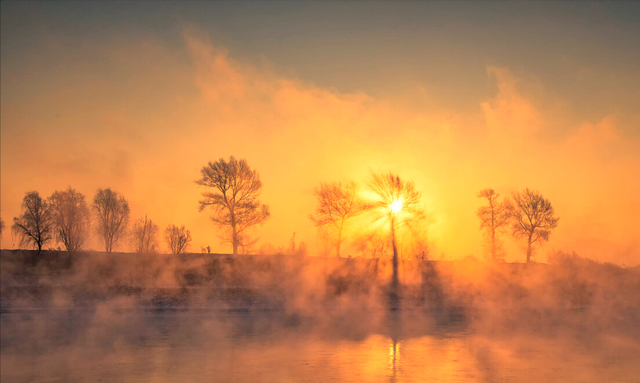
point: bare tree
(494, 219)
(373, 244)
(233, 199)
(399, 202)
(337, 202)
(34, 226)
(296, 249)
(112, 213)
(532, 218)
(417, 248)
(71, 217)
(177, 238)
(144, 236)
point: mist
(124, 310)
(123, 123)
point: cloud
(510, 114)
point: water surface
(214, 346)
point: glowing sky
(455, 96)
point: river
(201, 345)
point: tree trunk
(529, 248)
(339, 240)
(493, 245)
(493, 231)
(394, 280)
(234, 239)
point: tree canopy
(337, 202)
(494, 218)
(144, 236)
(112, 216)
(232, 194)
(71, 217)
(532, 218)
(35, 225)
(177, 238)
(399, 201)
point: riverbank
(570, 290)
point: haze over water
(195, 347)
(200, 317)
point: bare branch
(71, 217)
(337, 203)
(144, 236)
(233, 198)
(112, 216)
(35, 226)
(494, 218)
(177, 238)
(532, 218)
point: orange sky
(142, 116)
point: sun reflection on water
(394, 359)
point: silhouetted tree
(399, 202)
(494, 218)
(34, 226)
(112, 213)
(373, 244)
(418, 248)
(71, 217)
(144, 236)
(247, 244)
(177, 238)
(1, 230)
(233, 199)
(337, 202)
(296, 249)
(293, 248)
(532, 217)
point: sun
(396, 206)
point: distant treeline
(65, 218)
(231, 195)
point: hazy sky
(461, 96)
